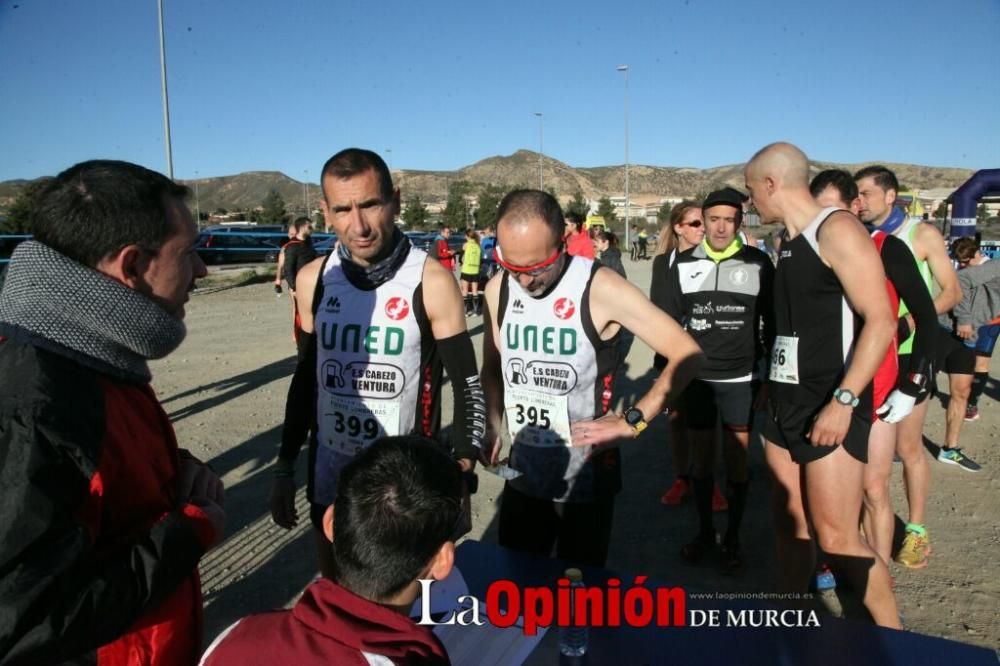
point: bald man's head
(782, 162)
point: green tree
(273, 208)
(456, 210)
(606, 210)
(18, 220)
(663, 214)
(489, 201)
(941, 212)
(578, 204)
(982, 214)
(415, 212)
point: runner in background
(471, 260)
(720, 292)
(895, 393)
(877, 188)
(684, 230)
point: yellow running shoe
(915, 550)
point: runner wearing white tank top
(549, 361)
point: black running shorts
(788, 424)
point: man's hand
(608, 428)
(283, 502)
(200, 486)
(489, 454)
(896, 407)
(830, 426)
(964, 331)
(197, 482)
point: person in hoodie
(976, 320)
(392, 524)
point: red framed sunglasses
(534, 270)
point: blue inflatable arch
(984, 183)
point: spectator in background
(279, 274)
(578, 243)
(606, 246)
(976, 317)
(487, 244)
(102, 518)
(392, 523)
(443, 252)
(297, 252)
(471, 255)
(643, 239)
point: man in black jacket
(720, 291)
(102, 518)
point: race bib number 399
(785, 360)
(537, 419)
(352, 424)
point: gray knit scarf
(376, 274)
(52, 302)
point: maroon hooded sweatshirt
(329, 625)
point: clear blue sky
(282, 85)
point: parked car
(221, 248)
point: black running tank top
(813, 317)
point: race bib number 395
(352, 424)
(537, 419)
(785, 360)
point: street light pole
(166, 103)
(541, 151)
(305, 192)
(628, 243)
(197, 201)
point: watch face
(845, 397)
(632, 416)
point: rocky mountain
(646, 183)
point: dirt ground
(225, 388)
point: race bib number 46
(537, 419)
(785, 360)
(352, 424)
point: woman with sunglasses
(684, 231)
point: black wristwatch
(635, 419)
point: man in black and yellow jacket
(720, 291)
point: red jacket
(445, 254)
(580, 245)
(329, 625)
(95, 554)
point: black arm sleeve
(902, 272)
(60, 598)
(300, 406)
(469, 420)
(767, 306)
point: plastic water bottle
(573, 639)
(826, 591)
